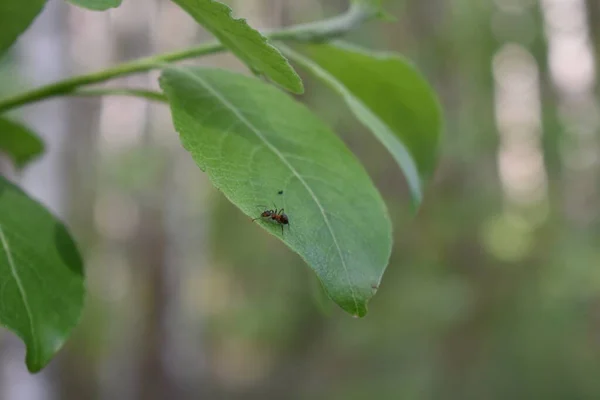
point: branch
(311, 32)
(143, 93)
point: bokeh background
(492, 291)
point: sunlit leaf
(96, 5)
(21, 144)
(41, 276)
(243, 41)
(255, 141)
(390, 97)
(15, 18)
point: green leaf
(15, 18)
(254, 141)
(96, 5)
(21, 144)
(41, 276)
(390, 97)
(375, 5)
(246, 43)
(367, 3)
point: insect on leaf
(245, 42)
(21, 144)
(253, 141)
(390, 97)
(41, 276)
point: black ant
(275, 215)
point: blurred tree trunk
(454, 46)
(149, 250)
(593, 7)
(150, 256)
(78, 372)
(551, 125)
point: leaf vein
(280, 155)
(15, 275)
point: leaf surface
(245, 42)
(390, 97)
(20, 143)
(96, 5)
(15, 18)
(255, 141)
(41, 276)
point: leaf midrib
(21, 288)
(268, 144)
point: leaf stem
(317, 31)
(143, 93)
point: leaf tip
(297, 87)
(357, 309)
(33, 361)
(360, 312)
(96, 5)
(33, 368)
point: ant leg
(281, 230)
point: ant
(275, 215)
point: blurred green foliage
(473, 305)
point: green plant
(252, 139)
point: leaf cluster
(257, 144)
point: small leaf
(376, 6)
(15, 18)
(246, 43)
(390, 97)
(254, 141)
(41, 276)
(21, 144)
(96, 5)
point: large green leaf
(15, 17)
(390, 97)
(21, 144)
(96, 5)
(243, 41)
(41, 276)
(254, 141)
